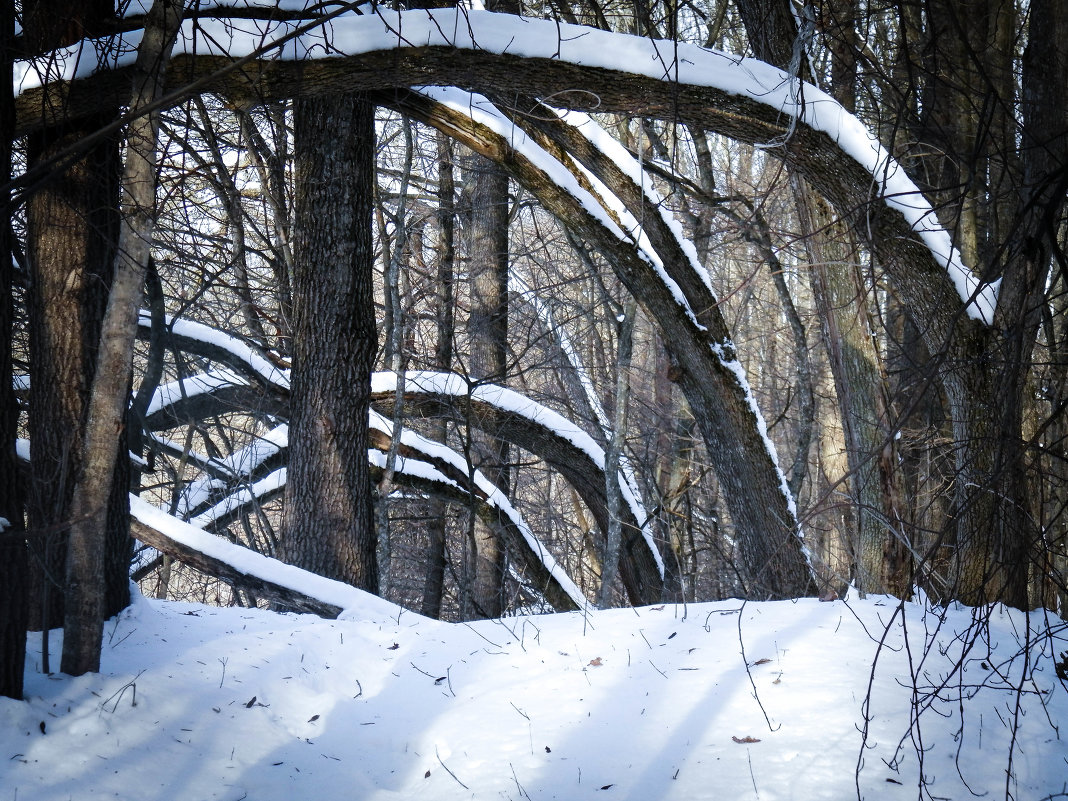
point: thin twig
(447, 769)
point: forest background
(768, 328)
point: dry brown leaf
(596, 662)
(761, 662)
(746, 739)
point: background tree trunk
(329, 518)
(444, 305)
(488, 334)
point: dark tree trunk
(329, 525)
(86, 593)
(12, 544)
(73, 229)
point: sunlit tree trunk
(488, 334)
(329, 524)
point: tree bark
(85, 592)
(329, 523)
(488, 334)
(444, 305)
(878, 544)
(72, 233)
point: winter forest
(532, 306)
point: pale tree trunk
(614, 451)
(13, 611)
(329, 519)
(488, 333)
(85, 598)
(880, 555)
(444, 307)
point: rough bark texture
(73, 230)
(85, 599)
(444, 303)
(878, 546)
(12, 543)
(329, 524)
(997, 536)
(487, 328)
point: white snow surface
(352, 34)
(197, 702)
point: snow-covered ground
(721, 701)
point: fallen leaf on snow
(596, 662)
(760, 662)
(746, 739)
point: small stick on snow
(447, 769)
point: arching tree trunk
(329, 523)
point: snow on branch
(241, 567)
(222, 347)
(353, 33)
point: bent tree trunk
(773, 564)
(329, 517)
